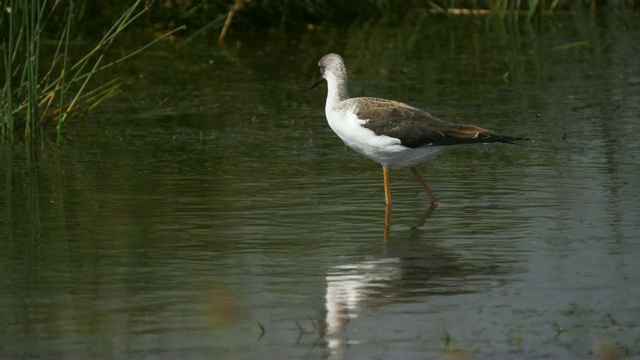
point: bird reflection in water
(349, 287)
(387, 220)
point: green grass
(47, 88)
(39, 89)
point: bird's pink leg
(387, 188)
(433, 199)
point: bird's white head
(334, 71)
(332, 65)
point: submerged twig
(262, 331)
(306, 331)
(559, 331)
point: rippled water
(212, 213)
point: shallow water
(209, 211)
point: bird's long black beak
(316, 84)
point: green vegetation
(38, 89)
(202, 16)
(50, 87)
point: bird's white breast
(345, 123)
(385, 150)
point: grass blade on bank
(28, 98)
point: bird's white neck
(337, 90)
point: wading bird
(392, 133)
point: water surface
(209, 211)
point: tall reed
(33, 92)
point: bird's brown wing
(416, 128)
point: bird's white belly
(385, 150)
